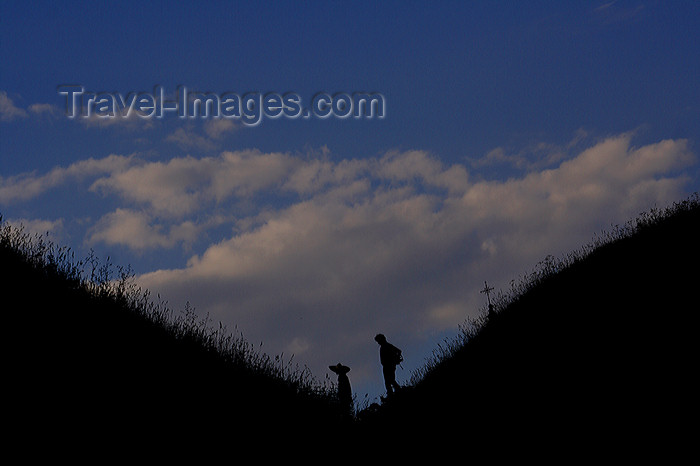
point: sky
(503, 133)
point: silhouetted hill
(590, 354)
(90, 361)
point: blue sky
(513, 130)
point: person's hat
(339, 369)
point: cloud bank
(322, 254)
(398, 244)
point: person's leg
(390, 380)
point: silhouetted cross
(487, 290)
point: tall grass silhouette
(92, 349)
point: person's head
(381, 339)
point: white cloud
(187, 139)
(136, 230)
(401, 243)
(45, 109)
(184, 184)
(168, 188)
(132, 122)
(419, 166)
(37, 226)
(216, 128)
(28, 185)
(8, 110)
(533, 157)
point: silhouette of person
(389, 357)
(344, 390)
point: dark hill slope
(88, 366)
(599, 353)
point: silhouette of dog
(344, 390)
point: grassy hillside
(596, 350)
(91, 358)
